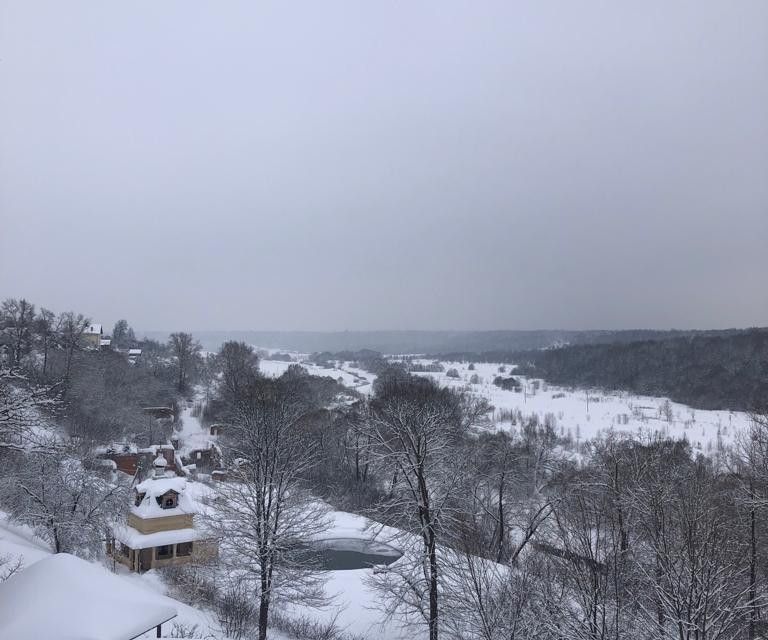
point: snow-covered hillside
(582, 414)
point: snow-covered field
(590, 414)
(582, 414)
(348, 375)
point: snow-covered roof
(115, 447)
(93, 328)
(160, 486)
(63, 596)
(134, 352)
(155, 448)
(137, 540)
(152, 489)
(106, 342)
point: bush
(236, 612)
(304, 628)
(452, 373)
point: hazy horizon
(338, 166)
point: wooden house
(160, 529)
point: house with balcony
(160, 530)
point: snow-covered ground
(192, 435)
(20, 543)
(582, 414)
(589, 414)
(349, 376)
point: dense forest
(707, 372)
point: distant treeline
(426, 342)
(727, 371)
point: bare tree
(413, 429)
(186, 350)
(71, 329)
(46, 330)
(265, 517)
(9, 566)
(749, 466)
(492, 601)
(239, 365)
(123, 336)
(505, 502)
(68, 505)
(24, 410)
(16, 322)
(699, 573)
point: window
(166, 551)
(168, 500)
(199, 455)
(184, 549)
(139, 498)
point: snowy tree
(123, 336)
(23, 410)
(749, 466)
(16, 323)
(413, 427)
(68, 505)
(71, 329)
(185, 351)
(239, 366)
(46, 331)
(266, 518)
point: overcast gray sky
(360, 165)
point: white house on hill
(92, 336)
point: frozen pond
(340, 554)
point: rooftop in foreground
(63, 596)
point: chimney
(159, 466)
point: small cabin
(160, 529)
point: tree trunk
(752, 567)
(263, 606)
(659, 608)
(70, 353)
(502, 529)
(433, 570)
